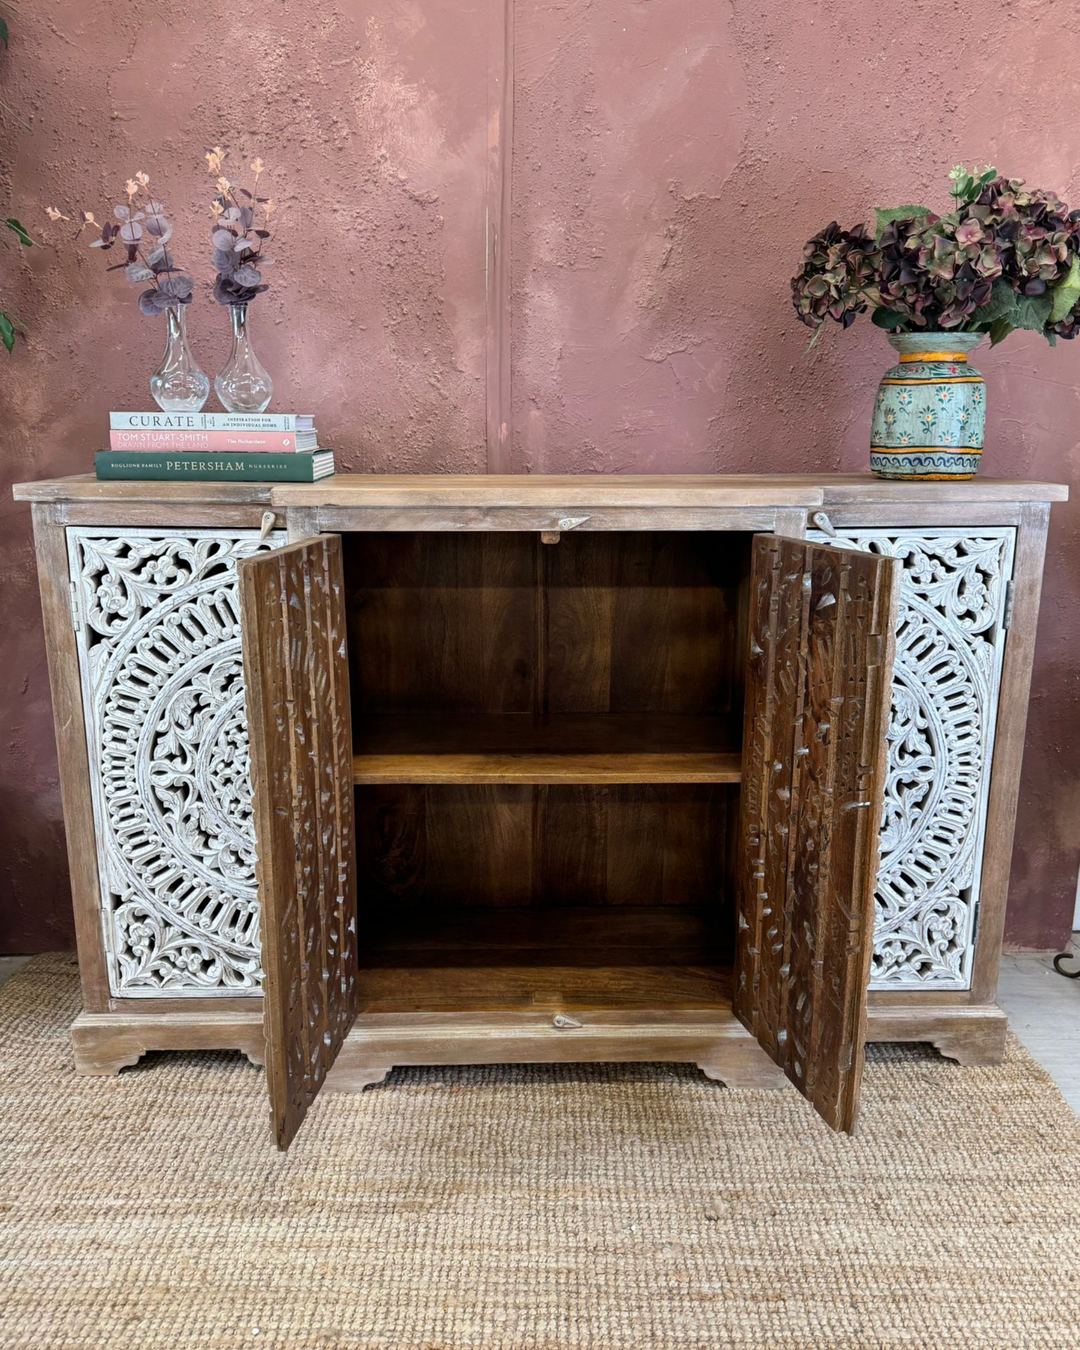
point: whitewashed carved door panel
(157, 621)
(949, 650)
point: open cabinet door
(297, 680)
(819, 675)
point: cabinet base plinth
(713, 1040)
(105, 1043)
(737, 1068)
(971, 1033)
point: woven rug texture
(636, 1207)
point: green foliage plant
(9, 324)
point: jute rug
(615, 1208)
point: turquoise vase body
(930, 413)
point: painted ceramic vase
(930, 412)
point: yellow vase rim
(905, 357)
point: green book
(247, 467)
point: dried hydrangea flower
(837, 268)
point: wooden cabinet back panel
(492, 847)
(502, 623)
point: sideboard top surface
(567, 490)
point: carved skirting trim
(158, 633)
(949, 649)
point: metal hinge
(1006, 618)
(76, 616)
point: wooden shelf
(516, 748)
(521, 959)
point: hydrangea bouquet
(1003, 258)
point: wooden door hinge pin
(1007, 615)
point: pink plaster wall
(651, 170)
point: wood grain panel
(442, 623)
(1009, 748)
(297, 677)
(562, 491)
(817, 699)
(54, 580)
(644, 622)
(460, 961)
(635, 622)
(499, 846)
(565, 748)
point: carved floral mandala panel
(949, 648)
(158, 625)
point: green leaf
(816, 334)
(7, 331)
(885, 215)
(1066, 293)
(3, 31)
(1001, 304)
(20, 231)
(999, 331)
(1031, 312)
(886, 318)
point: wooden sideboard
(544, 768)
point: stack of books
(246, 447)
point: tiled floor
(1044, 1011)
(1043, 1008)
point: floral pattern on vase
(930, 413)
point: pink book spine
(278, 442)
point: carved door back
(822, 621)
(297, 674)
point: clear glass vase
(178, 384)
(243, 384)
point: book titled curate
(245, 468)
(215, 442)
(201, 421)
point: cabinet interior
(546, 760)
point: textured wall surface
(528, 236)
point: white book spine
(200, 421)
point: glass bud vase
(243, 384)
(178, 384)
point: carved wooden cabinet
(720, 769)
